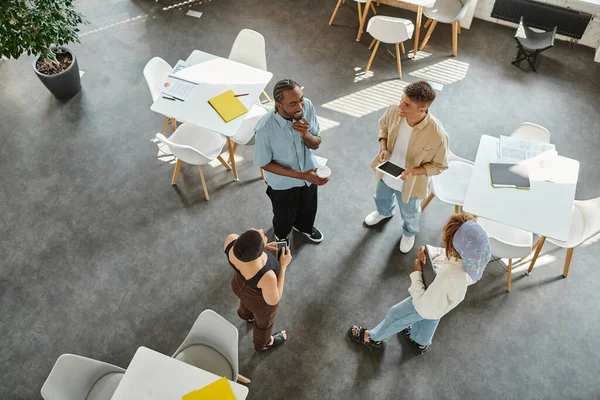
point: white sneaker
(406, 243)
(375, 218)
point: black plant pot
(65, 84)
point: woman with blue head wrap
(462, 262)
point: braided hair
(282, 86)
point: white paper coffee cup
(323, 171)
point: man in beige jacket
(415, 140)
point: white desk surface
(155, 376)
(545, 209)
(214, 75)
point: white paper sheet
(512, 150)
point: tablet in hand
(390, 169)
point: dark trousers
(254, 306)
(295, 207)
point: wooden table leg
(233, 167)
(540, 244)
(417, 29)
(363, 20)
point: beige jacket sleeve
(384, 124)
(440, 158)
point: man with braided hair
(284, 140)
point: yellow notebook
(228, 106)
(218, 390)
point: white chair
(507, 242)
(156, 72)
(389, 30)
(358, 3)
(249, 48)
(194, 145)
(75, 378)
(533, 132)
(585, 223)
(451, 185)
(245, 135)
(212, 345)
(447, 12)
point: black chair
(531, 43)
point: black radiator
(543, 16)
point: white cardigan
(446, 291)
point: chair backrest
(246, 131)
(590, 209)
(390, 29)
(212, 330)
(155, 72)
(506, 241)
(463, 10)
(249, 48)
(454, 157)
(73, 377)
(184, 152)
(531, 131)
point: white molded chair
(75, 378)
(389, 30)
(447, 12)
(533, 132)
(507, 242)
(358, 3)
(194, 145)
(245, 134)
(156, 72)
(451, 185)
(212, 345)
(249, 48)
(585, 224)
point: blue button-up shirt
(277, 141)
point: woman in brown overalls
(258, 283)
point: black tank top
(271, 265)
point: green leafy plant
(35, 26)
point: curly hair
(420, 92)
(450, 229)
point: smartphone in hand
(280, 246)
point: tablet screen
(391, 169)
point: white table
(396, 3)
(545, 209)
(214, 75)
(155, 376)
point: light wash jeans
(385, 200)
(400, 317)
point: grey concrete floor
(102, 255)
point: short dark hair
(248, 246)
(282, 86)
(420, 92)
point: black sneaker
(315, 236)
(285, 239)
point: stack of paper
(218, 390)
(512, 150)
(177, 87)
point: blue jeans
(385, 200)
(400, 317)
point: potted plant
(43, 28)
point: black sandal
(406, 334)
(359, 336)
(278, 340)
